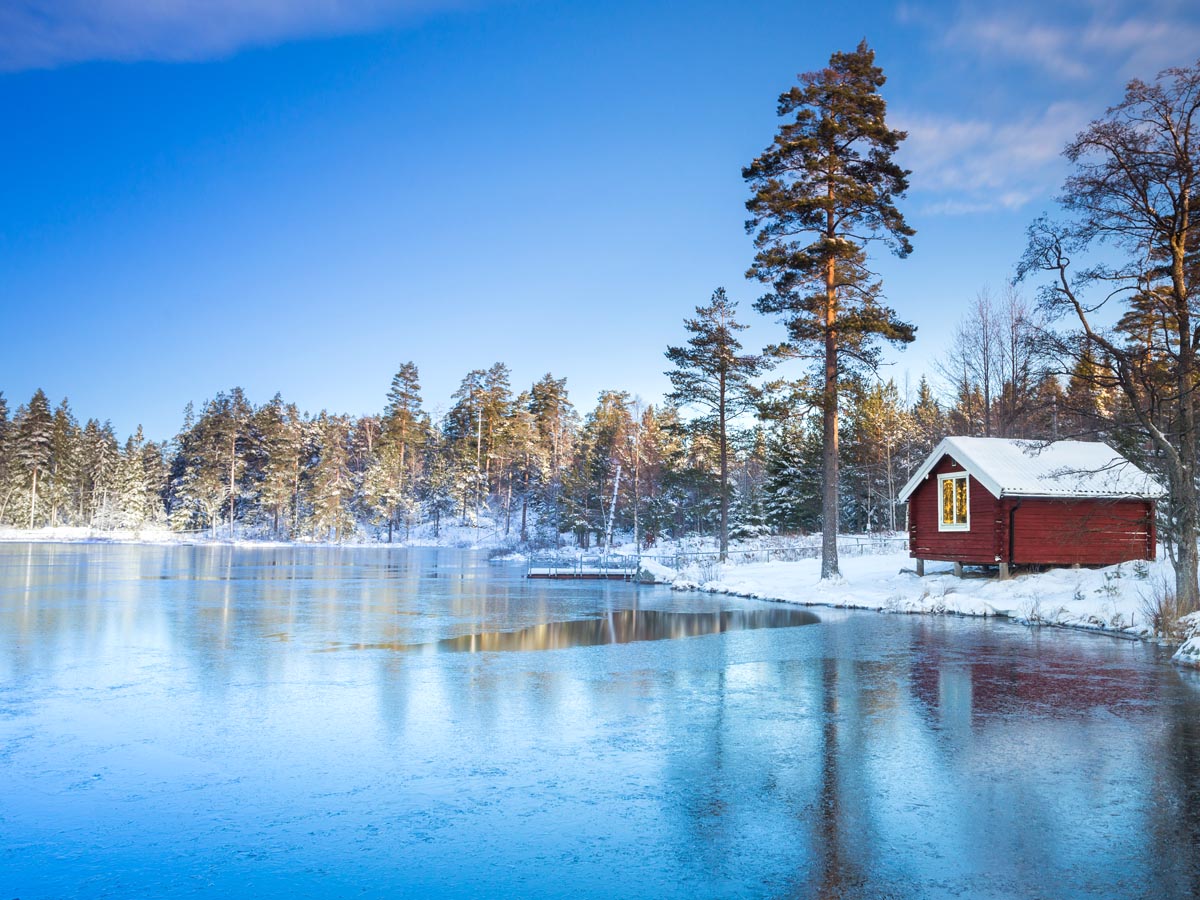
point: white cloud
(1037, 72)
(1075, 41)
(49, 33)
(977, 165)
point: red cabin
(999, 502)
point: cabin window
(955, 505)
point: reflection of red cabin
(992, 501)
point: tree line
(524, 461)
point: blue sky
(299, 196)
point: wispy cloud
(977, 165)
(1036, 73)
(1073, 40)
(48, 33)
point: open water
(321, 722)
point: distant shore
(456, 536)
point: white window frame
(942, 479)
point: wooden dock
(614, 568)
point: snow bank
(509, 556)
(1112, 599)
(81, 534)
(652, 572)
(1189, 653)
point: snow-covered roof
(1009, 468)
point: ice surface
(237, 722)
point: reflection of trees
(709, 808)
(1174, 798)
(836, 868)
(623, 626)
(1185, 735)
(61, 601)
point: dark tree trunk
(829, 414)
(232, 469)
(724, 471)
(1187, 585)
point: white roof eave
(960, 451)
(1095, 495)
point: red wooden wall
(978, 546)
(1044, 531)
(1091, 532)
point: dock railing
(612, 565)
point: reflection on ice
(620, 626)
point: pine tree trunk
(637, 494)
(478, 467)
(33, 496)
(1187, 591)
(724, 538)
(557, 489)
(525, 500)
(508, 506)
(829, 415)
(891, 483)
(403, 454)
(1187, 585)
(232, 466)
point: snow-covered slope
(1117, 599)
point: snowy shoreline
(453, 537)
(1115, 600)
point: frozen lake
(227, 722)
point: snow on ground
(1116, 599)
(71, 533)
(654, 571)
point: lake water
(318, 722)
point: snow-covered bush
(1163, 611)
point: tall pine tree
(823, 190)
(711, 373)
(35, 435)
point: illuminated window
(956, 510)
